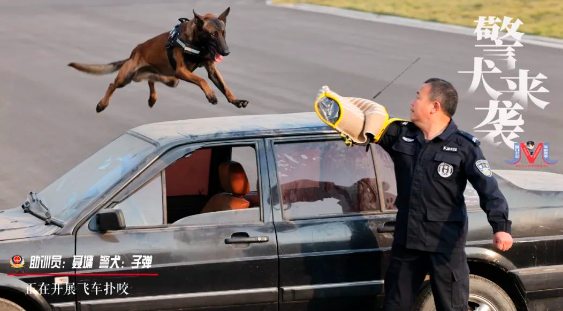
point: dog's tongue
(218, 57)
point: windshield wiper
(33, 199)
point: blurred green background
(540, 17)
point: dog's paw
(100, 107)
(212, 99)
(240, 103)
(152, 101)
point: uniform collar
(449, 131)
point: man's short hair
(444, 92)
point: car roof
(246, 126)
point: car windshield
(70, 194)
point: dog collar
(186, 48)
(175, 39)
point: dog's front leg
(217, 79)
(186, 75)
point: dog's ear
(198, 19)
(223, 15)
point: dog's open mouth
(217, 57)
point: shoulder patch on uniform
(483, 166)
(469, 137)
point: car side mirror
(109, 219)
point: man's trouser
(449, 278)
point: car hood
(533, 180)
(15, 224)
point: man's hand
(502, 241)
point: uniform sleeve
(492, 201)
(389, 136)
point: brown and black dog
(149, 61)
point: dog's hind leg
(153, 96)
(124, 77)
(152, 78)
(168, 80)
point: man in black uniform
(433, 161)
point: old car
(268, 212)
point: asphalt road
(279, 59)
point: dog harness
(175, 40)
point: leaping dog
(171, 56)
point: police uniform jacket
(431, 178)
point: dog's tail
(98, 69)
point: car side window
(386, 174)
(145, 206)
(324, 178)
(211, 186)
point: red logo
(17, 262)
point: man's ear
(198, 19)
(223, 15)
(436, 106)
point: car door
(225, 260)
(46, 265)
(334, 240)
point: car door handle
(243, 238)
(246, 240)
(387, 227)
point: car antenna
(379, 93)
(395, 79)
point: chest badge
(445, 169)
(449, 149)
(408, 139)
